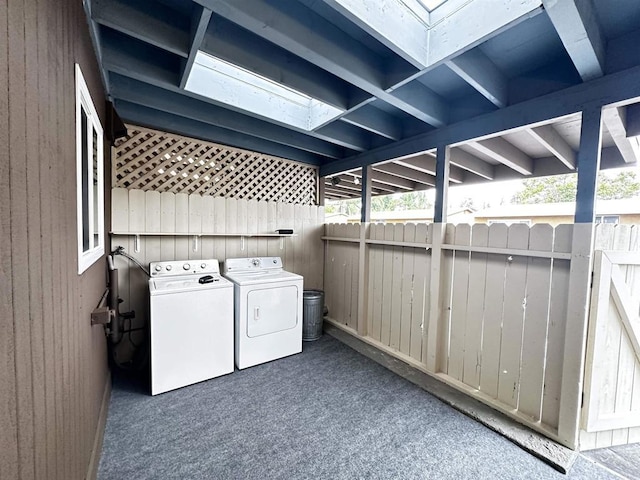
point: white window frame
(88, 257)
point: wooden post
(580, 278)
(363, 252)
(365, 210)
(439, 219)
(320, 190)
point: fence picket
(513, 317)
(556, 331)
(475, 307)
(387, 292)
(409, 235)
(536, 323)
(421, 300)
(493, 306)
(396, 288)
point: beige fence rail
(483, 308)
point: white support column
(580, 278)
(440, 220)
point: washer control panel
(252, 264)
(184, 267)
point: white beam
(407, 172)
(427, 163)
(468, 162)
(615, 119)
(505, 153)
(576, 24)
(552, 141)
(478, 71)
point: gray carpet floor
(328, 413)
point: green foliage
(562, 188)
(382, 203)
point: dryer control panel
(184, 267)
(252, 264)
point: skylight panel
(224, 82)
(431, 4)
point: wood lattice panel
(152, 160)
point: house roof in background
(603, 207)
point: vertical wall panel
(53, 365)
(8, 432)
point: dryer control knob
(169, 267)
(158, 268)
(186, 266)
(203, 266)
(255, 262)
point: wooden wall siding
(167, 213)
(53, 367)
(612, 378)
(152, 160)
(501, 306)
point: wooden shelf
(191, 234)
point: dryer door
(272, 310)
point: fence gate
(612, 375)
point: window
(90, 177)
(607, 218)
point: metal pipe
(113, 302)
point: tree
(562, 188)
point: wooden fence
(611, 413)
(483, 308)
(154, 226)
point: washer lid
(263, 276)
(187, 283)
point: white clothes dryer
(191, 323)
(268, 309)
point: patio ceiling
(347, 83)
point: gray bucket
(312, 311)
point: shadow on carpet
(328, 413)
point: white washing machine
(191, 323)
(268, 309)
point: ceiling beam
(301, 31)
(199, 22)
(388, 179)
(230, 42)
(346, 182)
(156, 26)
(504, 152)
(615, 119)
(134, 91)
(578, 28)
(475, 68)
(145, 116)
(127, 64)
(475, 165)
(617, 89)
(555, 144)
(375, 121)
(427, 163)
(407, 173)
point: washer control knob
(203, 266)
(275, 261)
(186, 266)
(255, 262)
(169, 267)
(158, 268)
